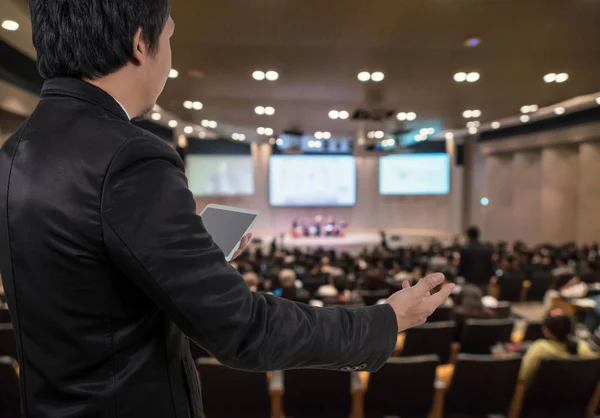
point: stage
(353, 242)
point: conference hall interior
(382, 141)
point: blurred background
(381, 141)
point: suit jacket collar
(79, 89)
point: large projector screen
(220, 175)
(414, 174)
(311, 180)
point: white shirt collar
(123, 107)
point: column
(559, 194)
(527, 186)
(497, 215)
(588, 211)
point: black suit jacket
(107, 268)
(476, 264)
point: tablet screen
(226, 227)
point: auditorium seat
(403, 387)
(443, 313)
(229, 393)
(539, 283)
(502, 311)
(371, 297)
(561, 388)
(310, 393)
(9, 389)
(534, 331)
(511, 287)
(479, 335)
(430, 338)
(312, 284)
(8, 345)
(4, 316)
(481, 385)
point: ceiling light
(326, 135)
(188, 105)
(460, 77)
(524, 118)
(279, 141)
(258, 75)
(473, 130)
(401, 116)
(411, 116)
(364, 76)
(173, 123)
(188, 129)
(533, 108)
(467, 114)
(272, 75)
(334, 114)
(259, 110)
(269, 111)
(10, 25)
(472, 42)
(598, 100)
(495, 125)
(197, 105)
(272, 141)
(379, 134)
(424, 131)
(213, 124)
(473, 124)
(449, 136)
(319, 135)
(268, 131)
(235, 136)
(472, 77)
(242, 137)
(205, 123)
(550, 78)
(562, 77)
(525, 109)
(559, 110)
(420, 138)
(311, 144)
(156, 116)
(377, 76)
(260, 130)
(202, 134)
(173, 73)
(476, 113)
(371, 135)
(344, 114)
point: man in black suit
(476, 264)
(106, 265)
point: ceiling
(319, 46)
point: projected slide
(414, 174)
(220, 175)
(302, 180)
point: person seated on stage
(469, 305)
(341, 228)
(317, 228)
(559, 342)
(251, 279)
(330, 227)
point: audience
(559, 342)
(563, 267)
(469, 305)
(476, 264)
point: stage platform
(353, 242)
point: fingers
(405, 284)
(434, 302)
(429, 283)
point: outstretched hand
(243, 244)
(413, 305)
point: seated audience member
(288, 290)
(562, 267)
(374, 279)
(438, 261)
(469, 305)
(559, 342)
(251, 279)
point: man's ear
(140, 48)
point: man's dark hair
(473, 233)
(92, 38)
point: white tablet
(228, 225)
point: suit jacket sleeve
(154, 236)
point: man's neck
(113, 85)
